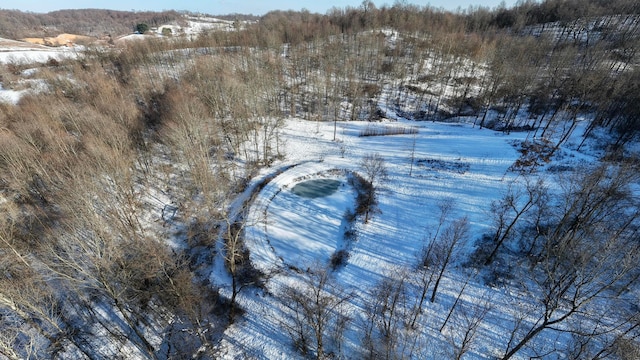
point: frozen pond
(316, 188)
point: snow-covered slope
(12, 51)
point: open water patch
(316, 188)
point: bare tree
(317, 313)
(436, 256)
(387, 332)
(412, 153)
(426, 272)
(375, 173)
(510, 209)
(588, 255)
(102, 253)
(236, 257)
(452, 239)
(32, 324)
(424, 275)
(465, 326)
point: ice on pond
(316, 188)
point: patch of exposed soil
(61, 40)
(8, 44)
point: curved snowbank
(283, 223)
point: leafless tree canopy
(90, 22)
(85, 273)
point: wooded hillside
(16, 24)
(121, 170)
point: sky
(222, 7)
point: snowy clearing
(289, 234)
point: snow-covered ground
(288, 234)
(10, 96)
(19, 52)
(22, 53)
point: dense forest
(84, 274)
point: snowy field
(18, 52)
(288, 234)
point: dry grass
(384, 130)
